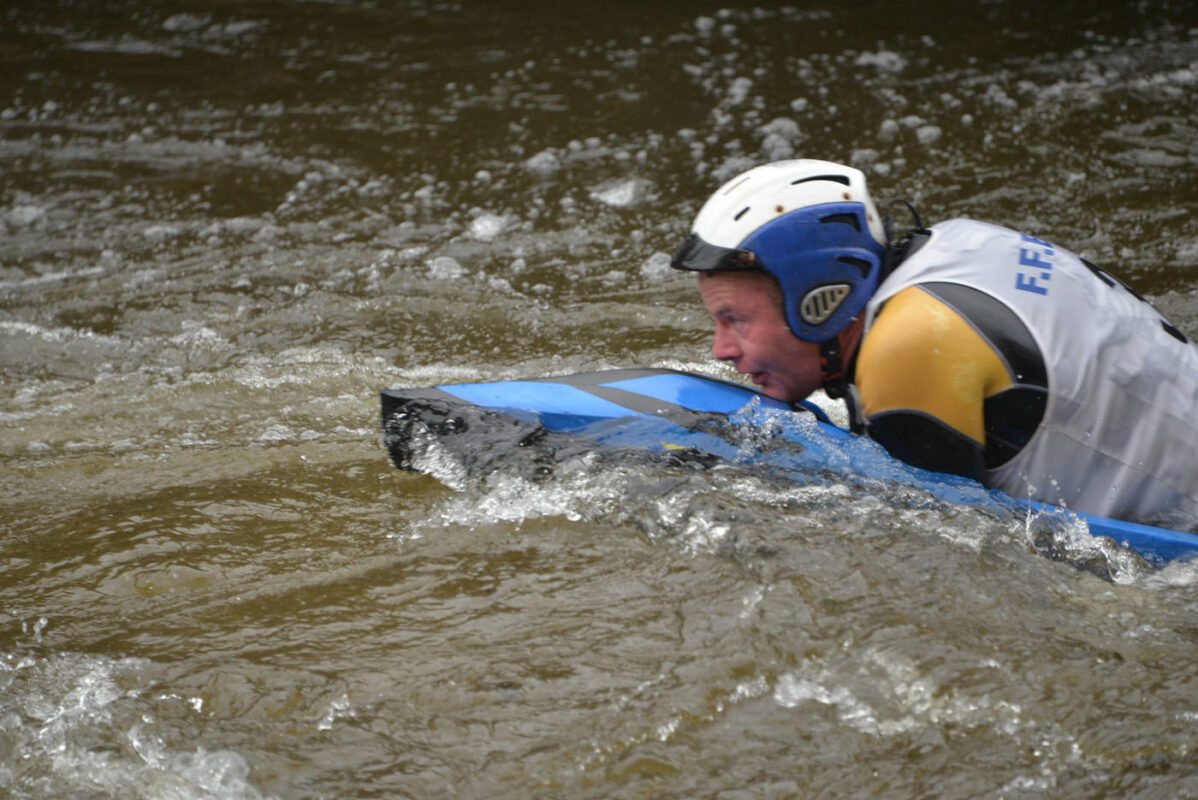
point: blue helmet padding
(803, 249)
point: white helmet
(810, 224)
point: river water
(224, 227)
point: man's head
(810, 226)
(752, 334)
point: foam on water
(223, 234)
(692, 511)
(54, 706)
(606, 485)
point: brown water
(224, 227)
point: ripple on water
(223, 233)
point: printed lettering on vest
(1038, 258)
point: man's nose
(724, 346)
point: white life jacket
(1119, 436)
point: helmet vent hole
(847, 219)
(844, 179)
(859, 263)
(741, 213)
(821, 302)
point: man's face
(751, 332)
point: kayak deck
(675, 415)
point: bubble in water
(26, 216)
(544, 163)
(222, 773)
(928, 134)
(487, 226)
(883, 60)
(619, 194)
(445, 268)
(656, 266)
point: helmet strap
(888, 219)
(837, 386)
(897, 250)
(831, 366)
(852, 401)
(837, 357)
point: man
(964, 348)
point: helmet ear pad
(825, 261)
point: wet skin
(751, 333)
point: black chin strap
(831, 367)
(837, 386)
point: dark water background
(225, 226)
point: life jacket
(1119, 432)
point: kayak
(681, 416)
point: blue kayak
(687, 416)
